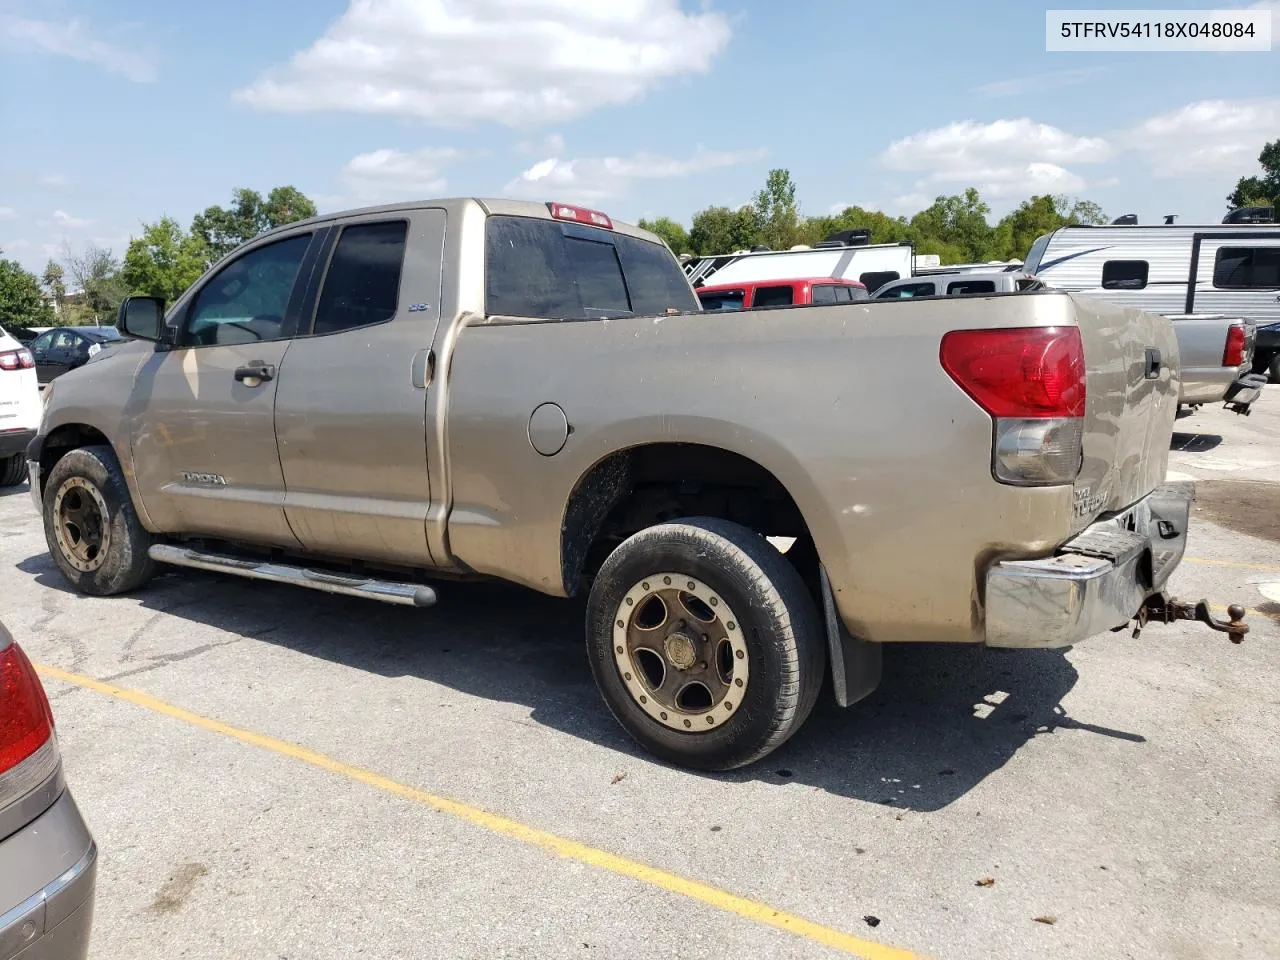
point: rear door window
(825, 293)
(362, 286)
(957, 287)
(548, 270)
(773, 297)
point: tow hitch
(1159, 608)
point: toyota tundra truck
(380, 402)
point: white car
(20, 409)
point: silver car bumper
(1096, 582)
(33, 475)
(53, 922)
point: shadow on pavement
(944, 718)
(1194, 442)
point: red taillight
(26, 722)
(592, 218)
(1024, 372)
(17, 360)
(1233, 355)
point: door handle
(257, 370)
(1153, 364)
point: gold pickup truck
(377, 402)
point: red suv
(780, 293)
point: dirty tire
(13, 470)
(125, 564)
(780, 624)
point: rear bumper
(1208, 384)
(1244, 392)
(57, 854)
(14, 441)
(1096, 582)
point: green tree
(1033, 218)
(1260, 191)
(777, 212)
(675, 235)
(956, 224)
(883, 228)
(21, 302)
(164, 261)
(96, 272)
(54, 285)
(222, 229)
(718, 230)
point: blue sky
(115, 113)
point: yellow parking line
(1233, 563)
(560, 846)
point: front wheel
(93, 532)
(705, 643)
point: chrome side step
(388, 591)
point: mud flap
(856, 665)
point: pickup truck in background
(780, 293)
(959, 284)
(373, 402)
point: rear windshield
(723, 300)
(553, 271)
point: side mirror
(142, 318)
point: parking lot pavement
(272, 772)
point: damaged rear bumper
(1097, 581)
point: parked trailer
(872, 264)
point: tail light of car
(1031, 380)
(28, 746)
(17, 360)
(1234, 354)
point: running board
(388, 591)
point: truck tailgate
(1132, 399)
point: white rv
(871, 264)
(1229, 271)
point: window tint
(772, 297)
(876, 279)
(42, 342)
(362, 285)
(1247, 268)
(1125, 274)
(1030, 283)
(971, 286)
(66, 340)
(724, 300)
(857, 293)
(247, 299)
(539, 268)
(907, 290)
(655, 279)
(600, 283)
(824, 293)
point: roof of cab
(495, 206)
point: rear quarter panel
(847, 405)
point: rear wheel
(705, 643)
(13, 470)
(93, 532)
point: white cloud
(391, 175)
(551, 145)
(1005, 158)
(1207, 137)
(8, 213)
(64, 219)
(514, 62)
(53, 180)
(1040, 82)
(592, 179)
(72, 38)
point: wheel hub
(680, 652)
(80, 524)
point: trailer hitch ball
(1162, 609)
